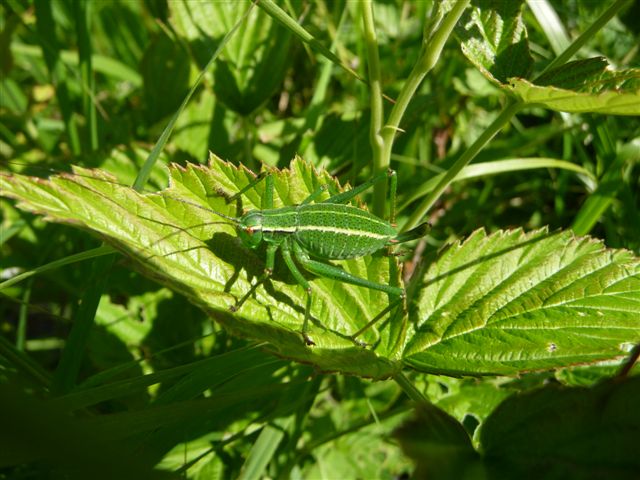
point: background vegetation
(157, 388)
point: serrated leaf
(192, 251)
(501, 304)
(613, 102)
(513, 302)
(494, 39)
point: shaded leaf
(554, 431)
(494, 39)
(439, 445)
(574, 75)
(253, 64)
(165, 71)
(566, 433)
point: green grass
(119, 356)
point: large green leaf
(513, 302)
(499, 304)
(194, 252)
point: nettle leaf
(198, 254)
(494, 39)
(500, 304)
(513, 302)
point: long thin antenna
(233, 220)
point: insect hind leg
(286, 255)
(335, 273)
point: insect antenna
(226, 220)
(230, 220)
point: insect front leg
(267, 203)
(286, 255)
(268, 271)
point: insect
(314, 233)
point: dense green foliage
(514, 129)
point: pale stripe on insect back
(320, 228)
(343, 231)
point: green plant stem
(587, 35)
(429, 56)
(505, 116)
(409, 388)
(377, 108)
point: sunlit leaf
(196, 253)
(513, 302)
(612, 102)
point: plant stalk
(431, 51)
(379, 163)
(410, 389)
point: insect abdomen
(334, 231)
